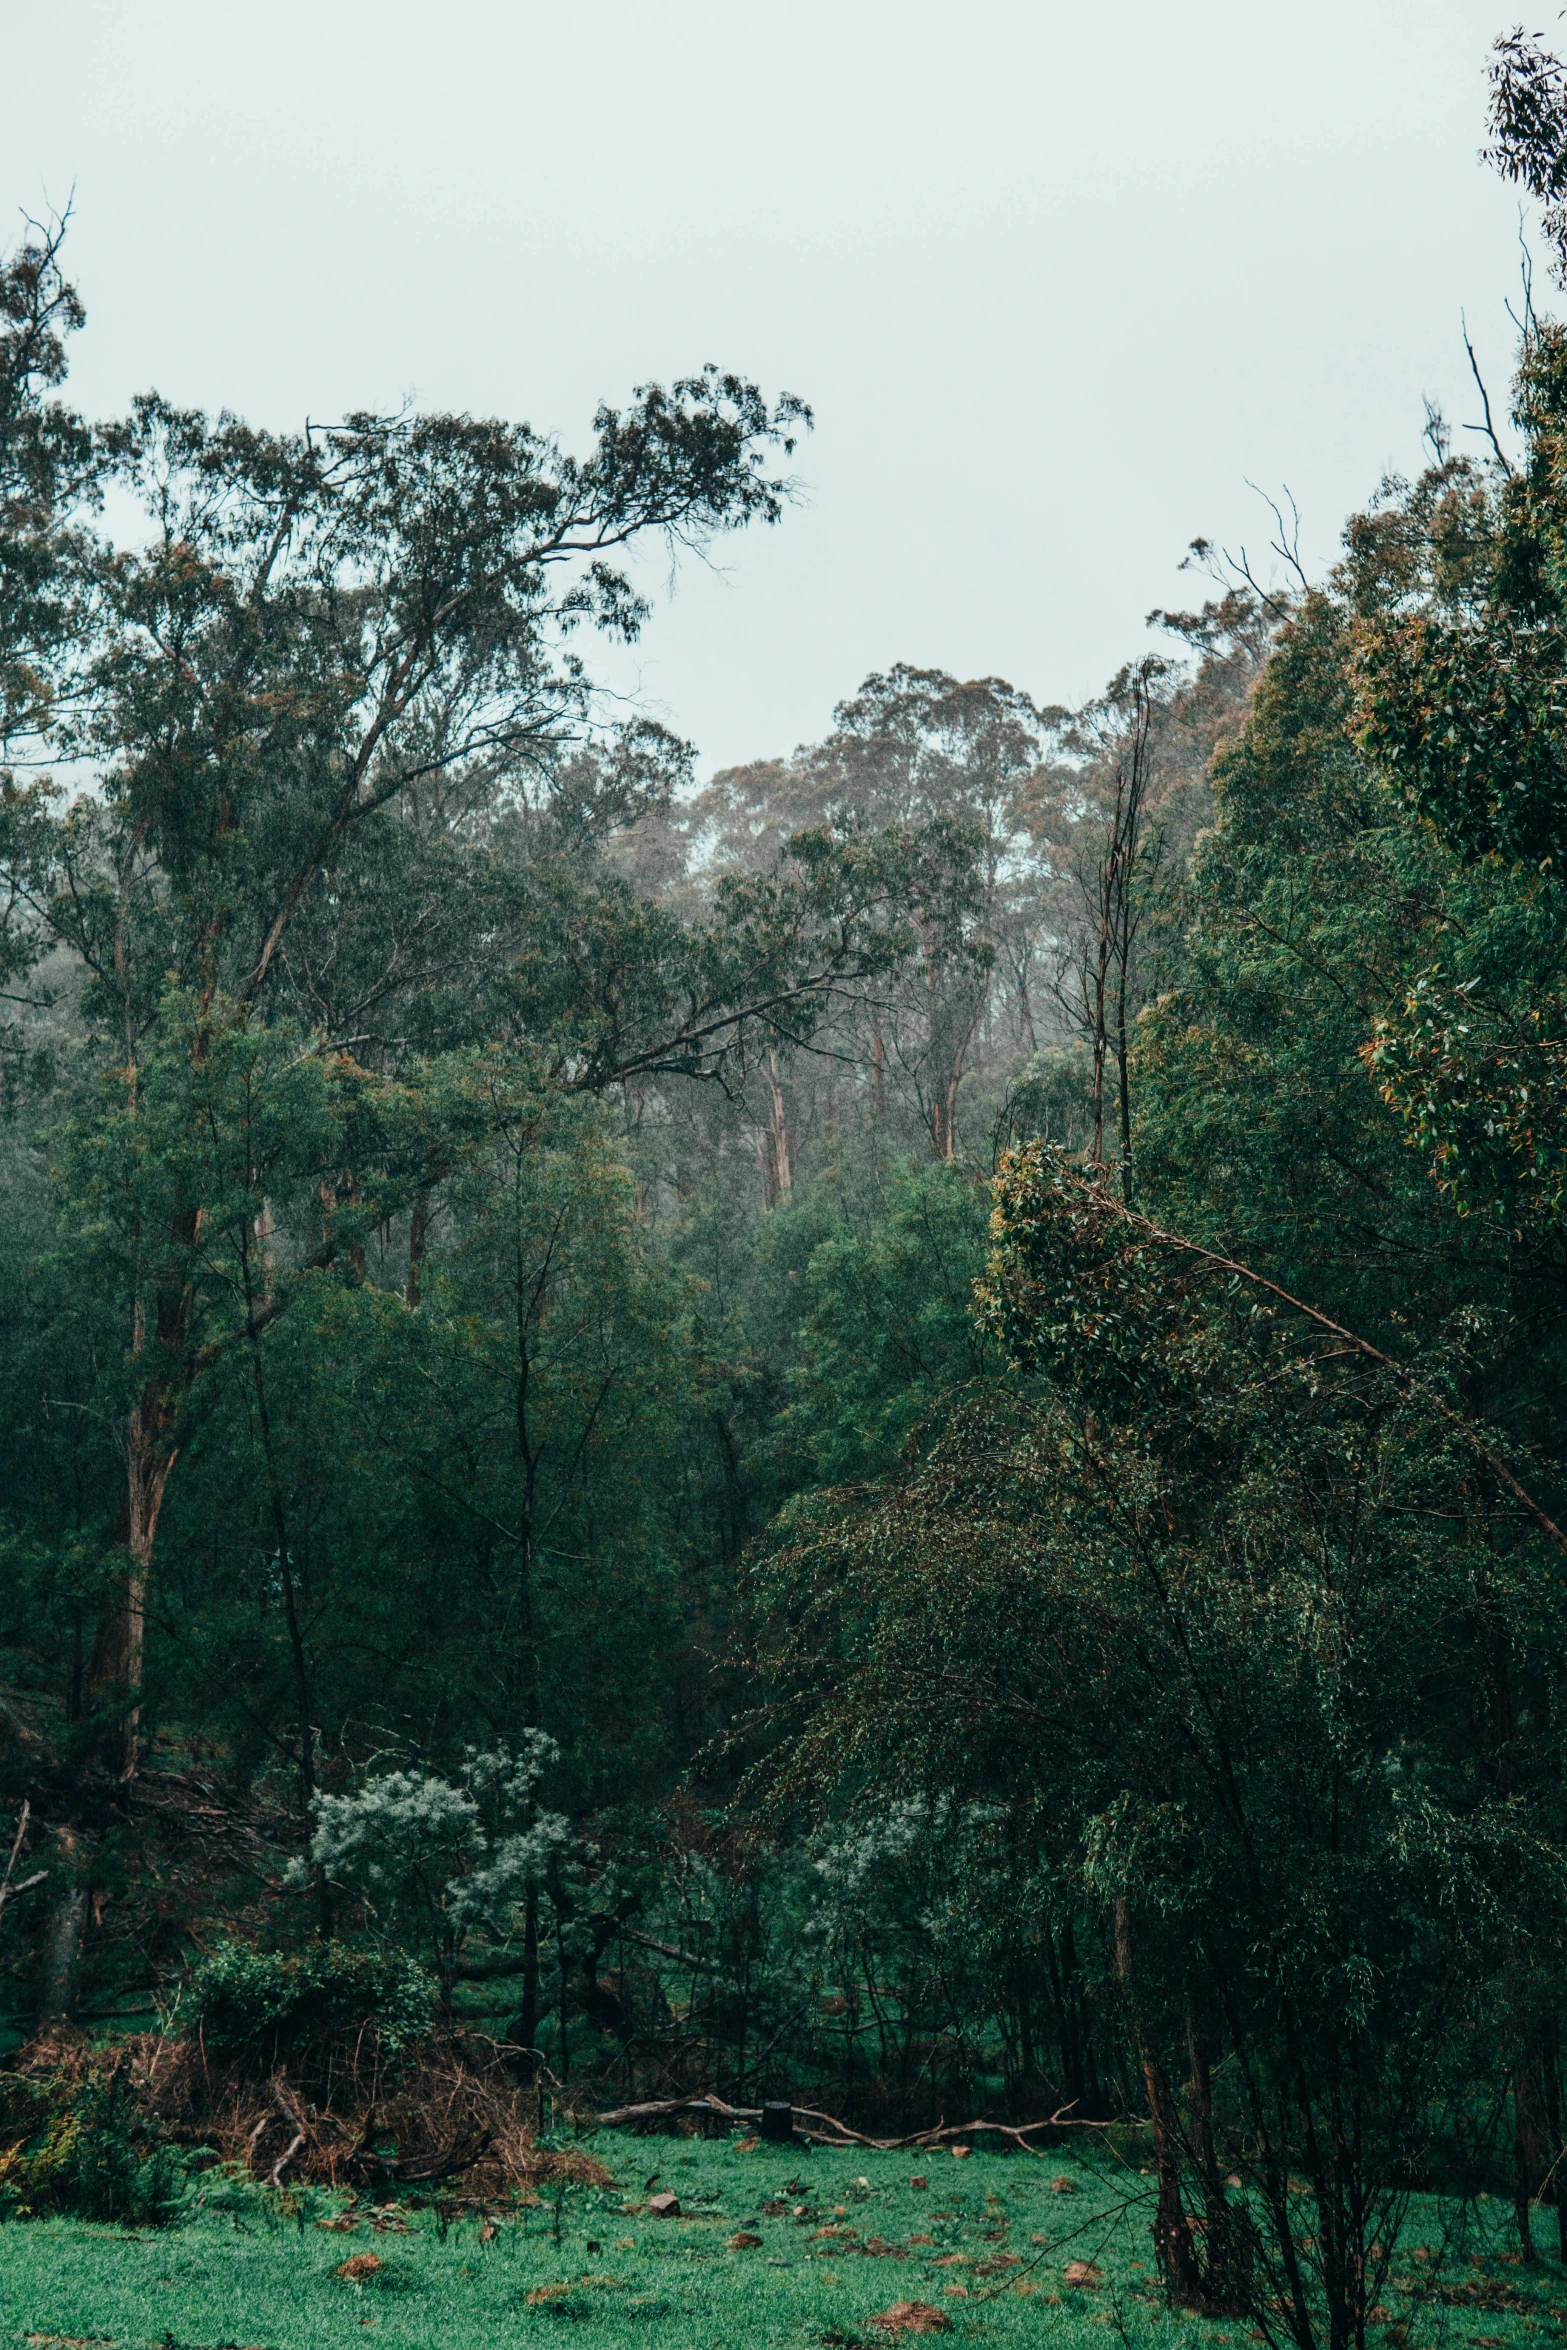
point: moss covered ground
(770, 2248)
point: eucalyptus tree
(49, 469)
(48, 463)
(917, 748)
(316, 627)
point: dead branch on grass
(824, 2129)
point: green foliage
(1466, 721)
(1459, 680)
(1199, 1606)
(1069, 1289)
(1459, 636)
(1481, 1082)
(48, 471)
(886, 1326)
(78, 2140)
(271, 2008)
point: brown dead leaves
(542, 2295)
(911, 2317)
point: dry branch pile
(447, 2113)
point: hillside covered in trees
(885, 1431)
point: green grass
(601, 2273)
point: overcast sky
(1058, 278)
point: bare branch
(1287, 544)
(1488, 428)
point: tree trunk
(1224, 2281)
(304, 1712)
(1553, 2114)
(418, 1234)
(1531, 2145)
(1172, 2231)
(63, 1947)
(944, 1123)
(528, 2018)
(779, 1165)
(1069, 2013)
(114, 1670)
(1123, 1081)
(1100, 1036)
(565, 1994)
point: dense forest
(884, 1431)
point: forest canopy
(884, 1429)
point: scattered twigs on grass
(1113, 2214)
(824, 2129)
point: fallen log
(824, 2129)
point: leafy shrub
(78, 2142)
(256, 2003)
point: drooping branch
(1475, 1437)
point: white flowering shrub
(853, 1868)
(489, 1894)
(404, 1829)
(505, 1777)
(446, 1855)
(918, 1868)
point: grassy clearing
(986, 2242)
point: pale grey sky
(1057, 278)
